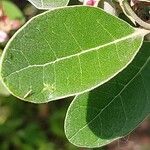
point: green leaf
(3, 90)
(114, 109)
(48, 4)
(67, 51)
(12, 11)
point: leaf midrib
(134, 34)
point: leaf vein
(81, 53)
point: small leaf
(48, 4)
(143, 0)
(114, 109)
(12, 11)
(3, 90)
(67, 51)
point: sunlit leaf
(67, 51)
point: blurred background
(26, 126)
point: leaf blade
(41, 50)
(114, 109)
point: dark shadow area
(112, 113)
(21, 3)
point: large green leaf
(114, 109)
(67, 51)
(48, 4)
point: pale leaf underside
(48, 4)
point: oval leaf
(114, 109)
(66, 51)
(48, 4)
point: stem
(134, 15)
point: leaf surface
(3, 90)
(114, 109)
(67, 51)
(48, 4)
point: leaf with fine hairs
(67, 51)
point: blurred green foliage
(25, 126)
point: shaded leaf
(114, 109)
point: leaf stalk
(127, 7)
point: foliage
(48, 4)
(86, 52)
(24, 126)
(115, 108)
(12, 11)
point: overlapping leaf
(3, 90)
(115, 108)
(67, 51)
(48, 4)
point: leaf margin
(113, 139)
